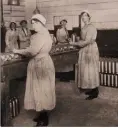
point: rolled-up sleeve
(34, 48)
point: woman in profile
(40, 84)
(11, 37)
(88, 62)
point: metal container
(14, 107)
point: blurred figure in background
(62, 33)
(11, 37)
(24, 35)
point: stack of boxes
(108, 71)
(108, 68)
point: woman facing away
(11, 37)
(88, 62)
(40, 84)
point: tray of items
(62, 49)
(9, 57)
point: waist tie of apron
(39, 56)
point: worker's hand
(15, 51)
(70, 42)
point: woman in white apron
(11, 38)
(88, 62)
(62, 36)
(62, 33)
(40, 84)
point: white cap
(40, 18)
(86, 11)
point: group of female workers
(17, 38)
(40, 84)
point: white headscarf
(86, 11)
(39, 17)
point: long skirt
(88, 67)
(40, 85)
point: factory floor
(73, 110)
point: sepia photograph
(59, 63)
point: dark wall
(107, 41)
(3, 33)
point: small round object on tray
(16, 56)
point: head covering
(39, 17)
(86, 11)
(63, 20)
